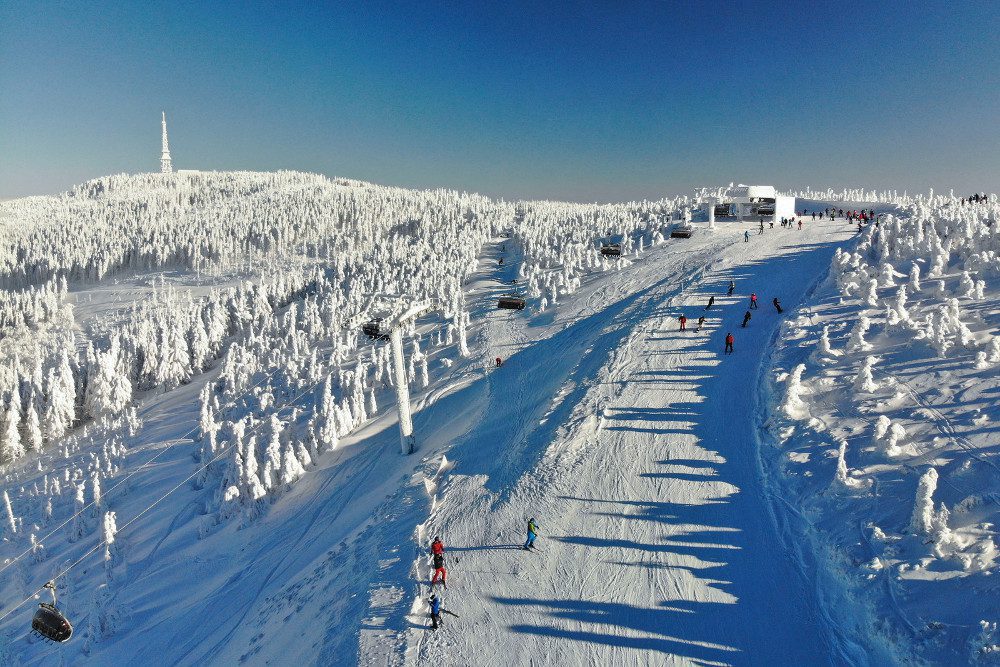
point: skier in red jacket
(683, 320)
(437, 546)
(729, 343)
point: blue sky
(584, 101)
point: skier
(499, 362)
(777, 305)
(440, 571)
(746, 236)
(437, 546)
(761, 230)
(435, 603)
(729, 343)
(753, 301)
(501, 261)
(800, 225)
(732, 286)
(532, 534)
(711, 302)
(746, 318)
(683, 320)
(701, 322)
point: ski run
(200, 447)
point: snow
(242, 500)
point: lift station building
(751, 202)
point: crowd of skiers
(435, 602)
(747, 316)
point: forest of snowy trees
(288, 263)
(890, 386)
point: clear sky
(584, 101)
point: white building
(751, 202)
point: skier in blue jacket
(532, 534)
(435, 603)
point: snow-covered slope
(202, 458)
(885, 411)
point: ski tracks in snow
(631, 444)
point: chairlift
(511, 302)
(373, 329)
(682, 232)
(611, 249)
(49, 623)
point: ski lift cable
(156, 502)
(176, 441)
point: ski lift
(682, 232)
(49, 623)
(511, 302)
(373, 329)
(611, 249)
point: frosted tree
(272, 456)
(11, 519)
(793, 405)
(870, 295)
(857, 342)
(967, 286)
(921, 521)
(33, 427)
(896, 434)
(864, 380)
(888, 275)
(11, 448)
(915, 277)
(110, 530)
(825, 349)
(842, 475)
(882, 425)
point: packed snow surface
(199, 445)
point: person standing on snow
(746, 236)
(683, 320)
(777, 305)
(753, 301)
(729, 343)
(435, 603)
(732, 286)
(439, 571)
(711, 302)
(800, 225)
(437, 546)
(499, 362)
(761, 230)
(532, 534)
(746, 318)
(701, 322)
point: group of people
(441, 573)
(976, 198)
(788, 223)
(730, 339)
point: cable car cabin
(682, 232)
(611, 249)
(373, 330)
(51, 624)
(511, 302)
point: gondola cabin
(511, 302)
(373, 329)
(51, 624)
(682, 232)
(611, 249)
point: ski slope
(634, 446)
